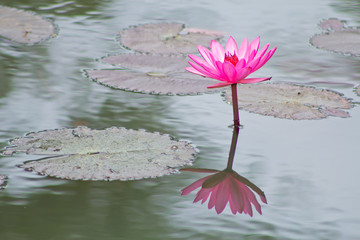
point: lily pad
(290, 101)
(341, 40)
(165, 38)
(155, 74)
(332, 24)
(23, 26)
(110, 154)
(357, 90)
(3, 181)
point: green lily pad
(110, 154)
(23, 26)
(165, 38)
(3, 181)
(155, 74)
(340, 40)
(357, 90)
(290, 101)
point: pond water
(308, 169)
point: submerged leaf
(165, 38)
(3, 181)
(154, 74)
(110, 154)
(341, 40)
(290, 101)
(24, 27)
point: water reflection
(348, 6)
(226, 186)
(66, 8)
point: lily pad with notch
(338, 38)
(111, 154)
(155, 74)
(23, 26)
(290, 101)
(165, 38)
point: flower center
(231, 58)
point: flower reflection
(223, 187)
(226, 186)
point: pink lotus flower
(226, 186)
(232, 64)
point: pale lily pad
(290, 101)
(23, 26)
(341, 40)
(165, 38)
(3, 181)
(110, 154)
(332, 24)
(357, 90)
(204, 31)
(155, 74)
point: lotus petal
(231, 65)
(290, 101)
(111, 154)
(23, 26)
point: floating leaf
(24, 27)
(154, 74)
(3, 181)
(341, 40)
(110, 154)
(165, 38)
(357, 90)
(204, 31)
(290, 101)
(332, 24)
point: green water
(308, 169)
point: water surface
(308, 169)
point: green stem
(235, 105)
